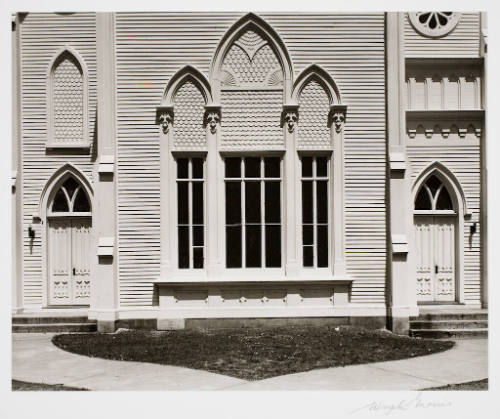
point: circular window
(434, 24)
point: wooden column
(16, 201)
(104, 292)
(401, 298)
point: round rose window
(434, 24)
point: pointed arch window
(70, 199)
(67, 107)
(433, 196)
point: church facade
(178, 167)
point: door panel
(80, 245)
(435, 258)
(425, 260)
(59, 258)
(445, 258)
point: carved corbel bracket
(337, 117)
(212, 117)
(165, 117)
(290, 117)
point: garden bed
(252, 353)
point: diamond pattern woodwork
(251, 119)
(314, 132)
(68, 102)
(251, 62)
(188, 123)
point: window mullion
(243, 217)
(262, 215)
(314, 198)
(190, 213)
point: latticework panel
(313, 117)
(251, 62)
(251, 119)
(68, 101)
(188, 117)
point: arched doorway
(435, 219)
(68, 243)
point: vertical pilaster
(291, 168)
(400, 284)
(16, 201)
(165, 116)
(104, 295)
(213, 245)
(483, 221)
(338, 116)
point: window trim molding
(85, 140)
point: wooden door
(435, 258)
(69, 241)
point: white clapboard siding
(151, 47)
(463, 41)
(42, 36)
(464, 162)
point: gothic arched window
(67, 102)
(433, 195)
(70, 198)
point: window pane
(182, 203)
(273, 246)
(321, 166)
(252, 166)
(273, 204)
(233, 166)
(197, 165)
(183, 247)
(70, 185)
(198, 236)
(81, 203)
(233, 247)
(322, 232)
(233, 203)
(307, 169)
(253, 246)
(307, 234)
(433, 183)
(198, 258)
(182, 168)
(444, 200)
(252, 202)
(423, 202)
(307, 254)
(60, 203)
(272, 167)
(322, 201)
(307, 204)
(197, 202)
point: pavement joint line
(402, 373)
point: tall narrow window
(315, 211)
(67, 107)
(190, 213)
(253, 212)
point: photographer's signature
(403, 405)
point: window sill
(84, 146)
(228, 278)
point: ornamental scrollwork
(338, 117)
(212, 119)
(291, 118)
(166, 119)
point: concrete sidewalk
(35, 359)
(466, 361)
